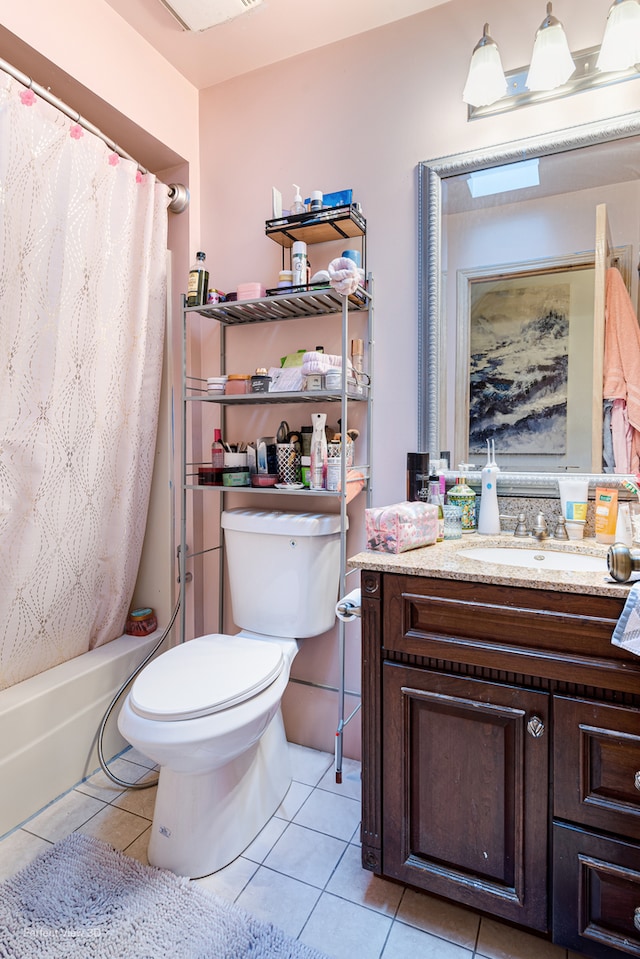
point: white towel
(627, 631)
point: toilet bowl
(208, 711)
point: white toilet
(208, 711)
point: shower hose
(105, 718)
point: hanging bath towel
(621, 379)
(627, 631)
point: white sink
(531, 558)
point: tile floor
(302, 872)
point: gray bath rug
(83, 900)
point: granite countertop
(444, 561)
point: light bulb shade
(486, 81)
(621, 42)
(551, 61)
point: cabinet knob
(535, 727)
(636, 917)
(636, 780)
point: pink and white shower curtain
(83, 240)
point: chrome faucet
(540, 530)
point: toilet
(208, 711)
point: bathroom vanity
(501, 740)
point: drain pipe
(105, 718)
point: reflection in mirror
(512, 297)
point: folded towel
(627, 631)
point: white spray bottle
(318, 470)
(489, 518)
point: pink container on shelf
(403, 526)
(250, 291)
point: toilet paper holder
(349, 607)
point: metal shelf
(253, 399)
(337, 223)
(286, 306)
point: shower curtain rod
(177, 191)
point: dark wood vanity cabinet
(501, 754)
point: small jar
(141, 622)
(260, 381)
(333, 379)
(237, 383)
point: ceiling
(272, 31)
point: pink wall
(361, 113)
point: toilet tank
(284, 570)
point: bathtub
(49, 726)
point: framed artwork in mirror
(525, 356)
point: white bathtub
(49, 726)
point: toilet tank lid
(279, 522)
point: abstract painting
(518, 363)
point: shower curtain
(83, 240)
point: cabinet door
(596, 901)
(465, 791)
(596, 757)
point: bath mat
(81, 899)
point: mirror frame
(431, 173)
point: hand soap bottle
(298, 206)
(463, 496)
(489, 518)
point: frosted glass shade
(621, 42)
(486, 81)
(551, 62)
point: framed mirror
(533, 244)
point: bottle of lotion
(318, 472)
(489, 518)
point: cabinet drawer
(596, 883)
(596, 757)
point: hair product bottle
(318, 477)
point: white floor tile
(297, 794)
(17, 850)
(351, 881)
(305, 855)
(308, 765)
(279, 899)
(327, 812)
(115, 826)
(498, 941)
(407, 941)
(439, 917)
(64, 816)
(265, 840)
(229, 882)
(351, 784)
(342, 929)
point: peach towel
(622, 355)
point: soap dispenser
(489, 517)
(298, 205)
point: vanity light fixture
(551, 60)
(554, 71)
(486, 81)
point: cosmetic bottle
(463, 496)
(318, 474)
(299, 263)
(217, 458)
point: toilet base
(203, 822)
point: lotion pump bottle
(298, 206)
(489, 518)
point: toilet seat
(204, 676)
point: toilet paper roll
(348, 608)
